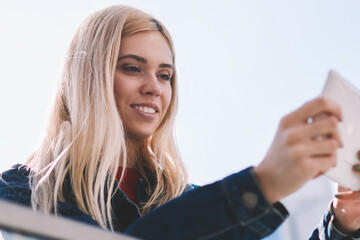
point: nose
(151, 86)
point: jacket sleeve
(328, 231)
(233, 208)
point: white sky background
(242, 65)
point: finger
(315, 107)
(326, 147)
(318, 174)
(325, 128)
(356, 169)
(322, 164)
(348, 196)
(341, 189)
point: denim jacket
(232, 208)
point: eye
(131, 68)
(165, 76)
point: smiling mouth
(144, 109)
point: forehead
(148, 44)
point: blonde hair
(85, 140)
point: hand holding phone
(347, 96)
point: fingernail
(338, 195)
(356, 168)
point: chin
(138, 135)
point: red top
(129, 183)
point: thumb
(348, 196)
(341, 189)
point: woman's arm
(245, 205)
(233, 208)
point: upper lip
(147, 104)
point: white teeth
(145, 109)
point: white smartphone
(347, 96)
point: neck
(133, 152)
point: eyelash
(166, 77)
(131, 68)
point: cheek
(119, 93)
(117, 87)
(167, 97)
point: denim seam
(247, 222)
(255, 223)
(261, 227)
(228, 199)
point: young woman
(109, 157)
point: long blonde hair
(85, 140)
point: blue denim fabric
(327, 231)
(14, 187)
(233, 208)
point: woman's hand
(346, 207)
(304, 147)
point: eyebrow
(165, 65)
(143, 60)
(137, 58)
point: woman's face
(142, 84)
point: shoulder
(19, 173)
(14, 185)
(190, 187)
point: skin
(296, 154)
(346, 206)
(143, 82)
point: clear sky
(242, 65)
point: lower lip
(149, 116)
